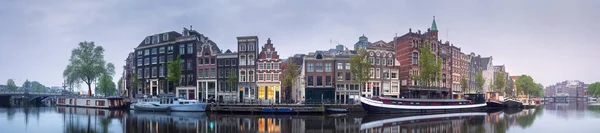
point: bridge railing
(31, 93)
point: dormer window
(155, 39)
(147, 40)
(165, 37)
(268, 54)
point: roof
(433, 25)
(172, 35)
(484, 62)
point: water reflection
(78, 120)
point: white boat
(175, 104)
(92, 102)
(396, 105)
(153, 107)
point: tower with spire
(434, 30)
(363, 42)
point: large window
(161, 59)
(319, 67)
(147, 52)
(147, 61)
(242, 76)
(140, 73)
(276, 66)
(340, 66)
(161, 71)
(251, 76)
(347, 66)
(268, 65)
(319, 80)
(328, 67)
(242, 60)
(154, 72)
(276, 77)
(154, 51)
(340, 76)
(415, 58)
(347, 75)
(169, 49)
(140, 62)
(310, 80)
(154, 60)
(190, 48)
(327, 80)
(268, 77)
(181, 48)
(309, 67)
(261, 77)
(261, 66)
(250, 59)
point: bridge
(18, 97)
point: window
(139, 62)
(276, 66)
(139, 53)
(383, 63)
(250, 47)
(200, 73)
(394, 75)
(213, 72)
(233, 61)
(200, 61)
(371, 73)
(206, 61)
(147, 72)
(181, 49)
(319, 81)
(227, 62)
(372, 60)
(242, 60)
(377, 73)
(189, 65)
(250, 59)
(146, 52)
(213, 61)
(268, 65)
(260, 77)
(161, 59)
(340, 65)
(154, 51)
(276, 77)
(347, 66)
(169, 49)
(161, 71)
(165, 37)
(242, 76)
(390, 62)
(319, 67)
(139, 73)
(161, 50)
(268, 54)
(251, 76)
(395, 86)
(147, 61)
(377, 61)
(327, 80)
(444, 63)
(242, 47)
(206, 73)
(415, 58)
(309, 80)
(386, 74)
(190, 48)
(169, 58)
(310, 67)
(260, 66)
(154, 72)
(328, 67)
(268, 77)
(155, 39)
(147, 40)
(154, 60)
(347, 75)
(340, 76)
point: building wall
(247, 53)
(226, 64)
(316, 79)
(269, 73)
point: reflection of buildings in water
(89, 119)
(149, 122)
(567, 110)
(283, 123)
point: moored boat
(92, 102)
(495, 104)
(396, 105)
(175, 104)
(510, 103)
(152, 107)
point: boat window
(411, 103)
(418, 103)
(393, 102)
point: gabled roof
(484, 62)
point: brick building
(227, 66)
(207, 72)
(269, 73)
(319, 77)
(384, 79)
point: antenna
(447, 30)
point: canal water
(550, 118)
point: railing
(31, 93)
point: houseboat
(92, 102)
(173, 104)
(396, 105)
(386, 121)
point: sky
(550, 40)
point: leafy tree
(87, 65)
(105, 85)
(134, 83)
(464, 85)
(290, 74)
(26, 84)
(479, 80)
(37, 86)
(526, 85)
(232, 79)
(174, 68)
(11, 85)
(120, 84)
(499, 82)
(594, 89)
(360, 67)
(430, 66)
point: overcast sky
(551, 40)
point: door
(241, 95)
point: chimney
(419, 31)
(409, 30)
(268, 40)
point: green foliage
(232, 78)
(37, 86)
(526, 85)
(430, 66)
(86, 65)
(594, 89)
(105, 85)
(499, 82)
(360, 67)
(174, 68)
(479, 80)
(134, 82)
(290, 73)
(26, 84)
(464, 85)
(11, 85)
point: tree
(464, 84)
(291, 72)
(479, 81)
(232, 79)
(120, 84)
(10, 83)
(526, 85)
(37, 86)
(430, 66)
(134, 83)
(26, 84)
(499, 82)
(105, 85)
(174, 68)
(360, 67)
(86, 65)
(594, 89)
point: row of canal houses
(324, 74)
